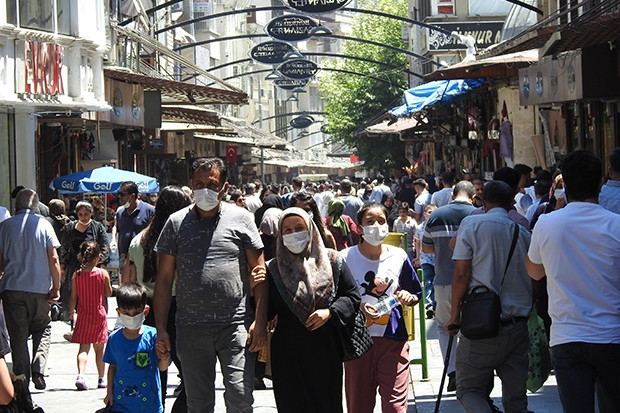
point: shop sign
(298, 69)
(291, 27)
(271, 53)
(301, 122)
(316, 6)
(290, 84)
(43, 68)
(485, 33)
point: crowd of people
(212, 272)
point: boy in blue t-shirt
(133, 376)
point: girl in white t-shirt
(385, 277)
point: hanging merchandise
(493, 129)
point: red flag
(231, 153)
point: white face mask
(375, 234)
(296, 242)
(132, 323)
(558, 193)
(126, 205)
(206, 199)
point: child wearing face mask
(89, 287)
(133, 376)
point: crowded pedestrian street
(61, 396)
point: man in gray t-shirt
(216, 252)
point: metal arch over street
(335, 36)
(286, 8)
(407, 71)
(378, 79)
(282, 115)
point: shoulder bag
(354, 339)
(481, 308)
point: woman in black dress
(313, 294)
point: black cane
(445, 369)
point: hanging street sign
(290, 84)
(298, 69)
(271, 53)
(301, 122)
(316, 6)
(291, 27)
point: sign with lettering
(43, 66)
(291, 27)
(271, 53)
(298, 69)
(290, 84)
(301, 122)
(316, 6)
(485, 33)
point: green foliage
(351, 101)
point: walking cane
(445, 368)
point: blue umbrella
(104, 180)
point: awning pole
(262, 164)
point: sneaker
(39, 381)
(430, 313)
(80, 383)
(101, 384)
(451, 381)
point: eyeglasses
(122, 194)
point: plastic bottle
(386, 304)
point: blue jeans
(429, 277)
(583, 369)
(198, 347)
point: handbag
(481, 308)
(355, 339)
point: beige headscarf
(305, 280)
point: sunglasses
(120, 194)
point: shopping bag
(539, 357)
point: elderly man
(490, 252)
(214, 251)
(30, 282)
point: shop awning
(599, 25)
(503, 66)
(399, 127)
(440, 92)
(174, 92)
(190, 115)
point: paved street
(61, 395)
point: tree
(351, 101)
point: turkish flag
(231, 153)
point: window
(442, 7)
(489, 8)
(45, 15)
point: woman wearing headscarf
(269, 231)
(341, 226)
(388, 201)
(313, 294)
(271, 201)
